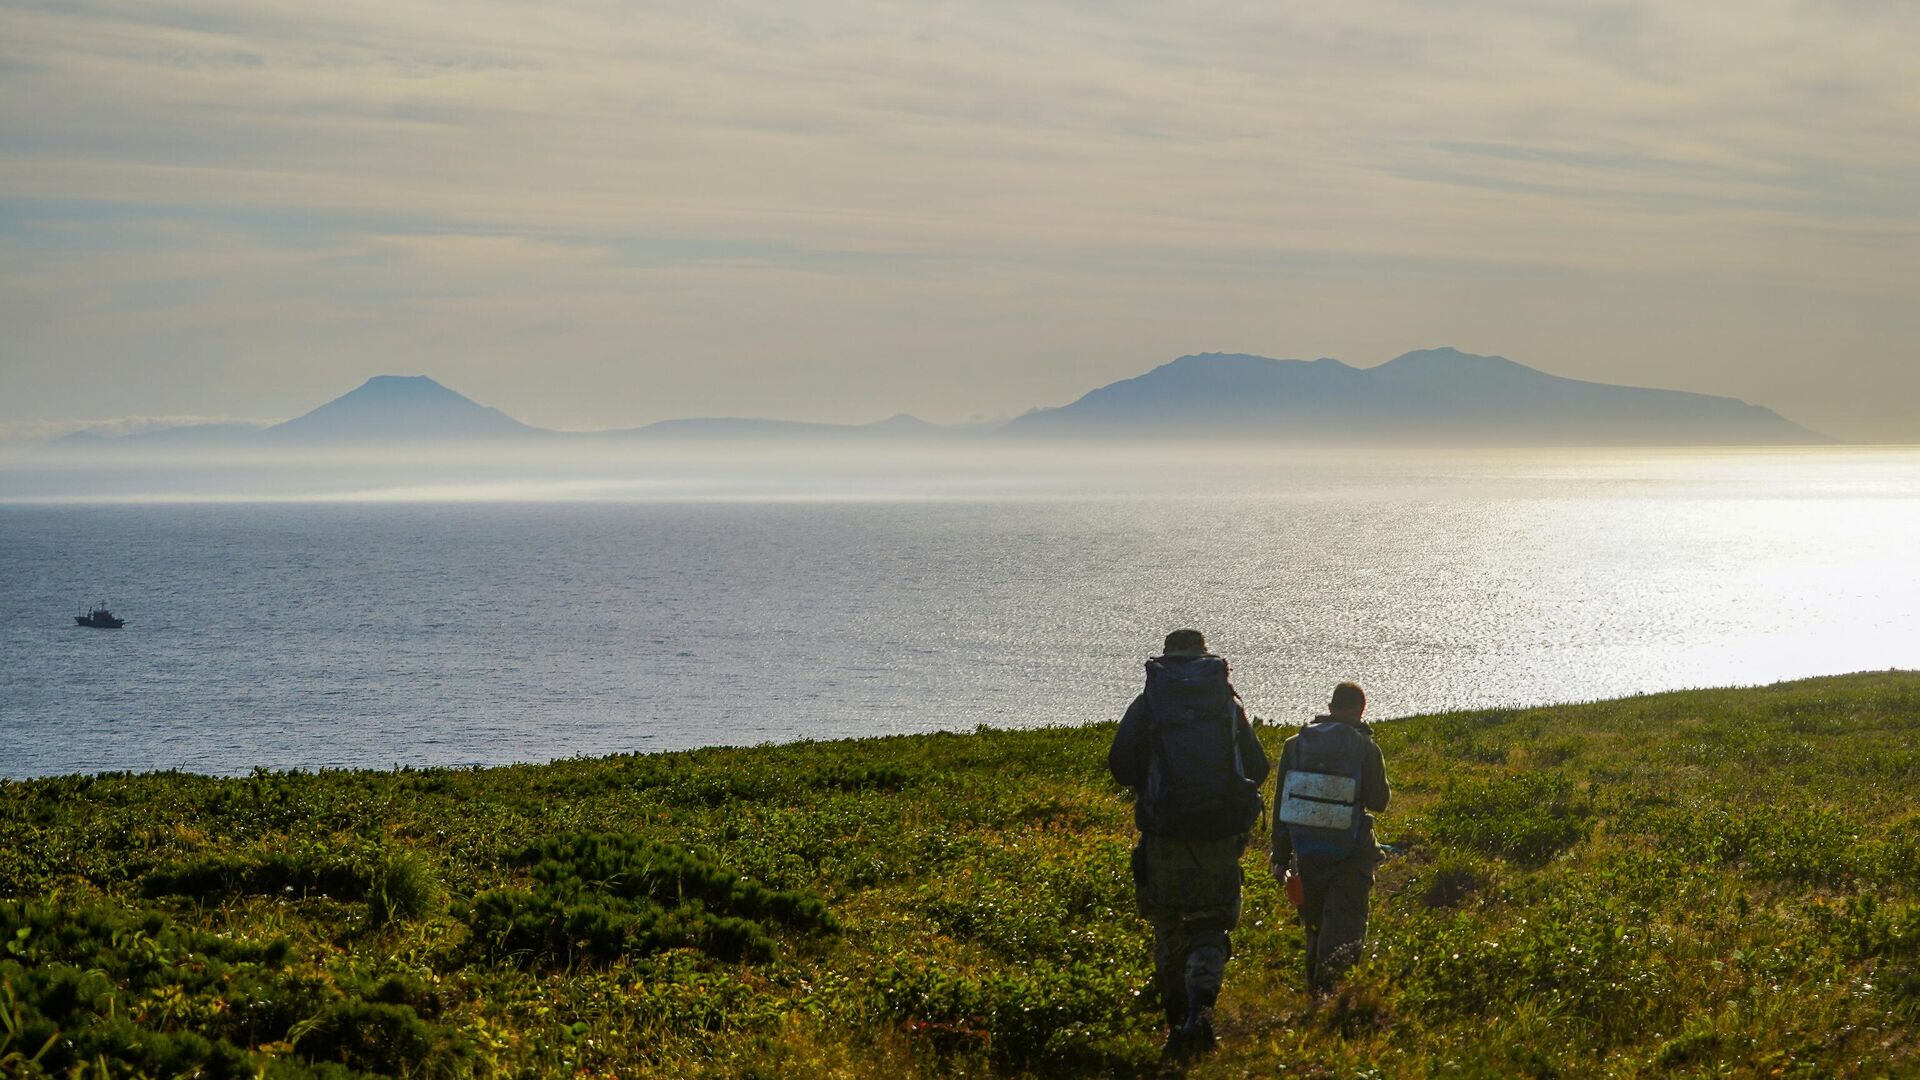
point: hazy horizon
(743, 470)
(1191, 383)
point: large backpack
(1320, 793)
(1197, 786)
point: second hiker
(1331, 774)
(1187, 748)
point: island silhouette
(1426, 397)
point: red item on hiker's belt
(1296, 891)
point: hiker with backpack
(1331, 775)
(1187, 749)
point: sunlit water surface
(424, 633)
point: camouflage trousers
(1335, 916)
(1190, 891)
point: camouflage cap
(1185, 643)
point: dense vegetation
(1709, 883)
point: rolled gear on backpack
(1320, 794)
(1197, 786)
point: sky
(606, 214)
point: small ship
(99, 618)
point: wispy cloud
(41, 430)
(838, 210)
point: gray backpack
(1320, 793)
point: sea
(458, 627)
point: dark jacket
(1373, 793)
(1132, 750)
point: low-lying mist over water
(355, 612)
(694, 470)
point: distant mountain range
(390, 409)
(1428, 396)
(1432, 396)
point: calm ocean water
(383, 633)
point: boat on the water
(99, 618)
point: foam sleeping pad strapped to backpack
(1320, 794)
(1197, 784)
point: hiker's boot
(1206, 966)
(1196, 1035)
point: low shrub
(369, 1036)
(1576, 952)
(393, 884)
(633, 867)
(544, 927)
(1073, 1020)
(1526, 817)
(843, 776)
(1451, 879)
(1065, 907)
(1786, 841)
(601, 896)
(98, 984)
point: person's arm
(1377, 792)
(1280, 851)
(1127, 758)
(1253, 756)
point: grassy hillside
(1711, 883)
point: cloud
(42, 430)
(261, 199)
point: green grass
(1702, 884)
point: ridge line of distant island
(1426, 397)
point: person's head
(1185, 643)
(1349, 702)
